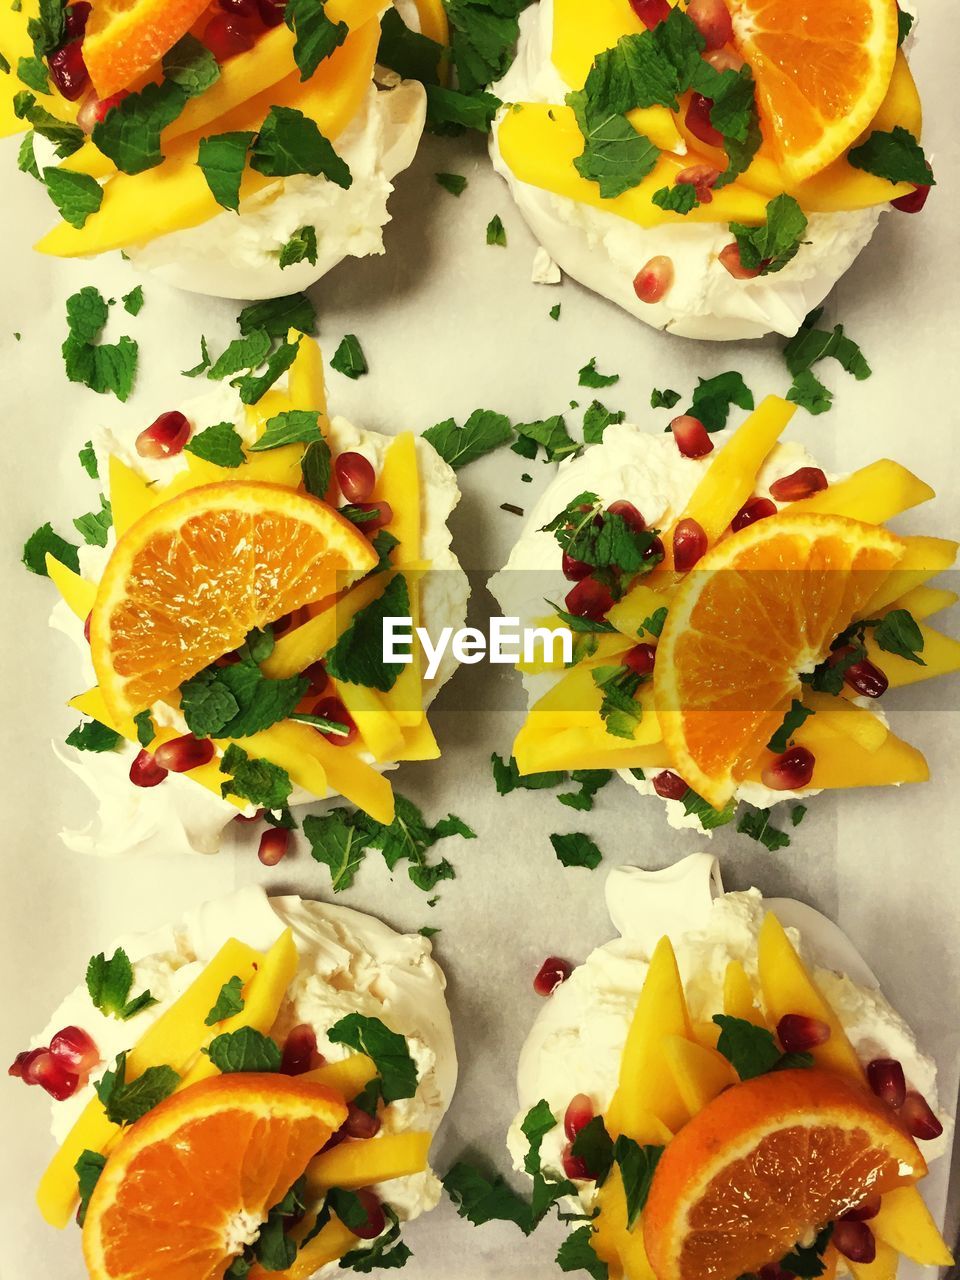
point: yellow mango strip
(700, 1074)
(883, 1267)
(841, 762)
(738, 998)
(706, 1034)
(305, 382)
(906, 1224)
(789, 987)
(297, 649)
(173, 1040)
(77, 593)
(858, 723)
(360, 1164)
(262, 999)
(130, 496)
(351, 777)
(629, 614)
(347, 1077)
(646, 1084)
(609, 647)
(621, 1249)
(940, 653)
(331, 1243)
(574, 703)
(419, 743)
(379, 729)
(923, 602)
(874, 494)
(433, 20)
(923, 558)
(290, 746)
(399, 485)
(573, 749)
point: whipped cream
(348, 962)
(237, 256)
(576, 1043)
(604, 251)
(180, 816)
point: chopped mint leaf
(248, 352)
(594, 1146)
(771, 246)
(87, 313)
(410, 54)
(496, 231)
(133, 301)
(811, 345)
(482, 432)
(43, 542)
(357, 657)
(589, 377)
(714, 396)
(809, 393)
(27, 157)
(88, 1169)
(95, 525)
(252, 387)
(349, 359)
(555, 311)
(146, 729)
(229, 1002)
(897, 632)
(620, 711)
(708, 817)
(48, 29)
(65, 137)
(797, 814)
(590, 781)
(98, 365)
(596, 420)
(220, 444)
(576, 850)
(896, 156)
(317, 36)
(734, 113)
(615, 156)
(637, 1164)
(455, 183)
(125, 1101)
(294, 426)
(191, 66)
(428, 931)
(238, 701)
(752, 1051)
(88, 460)
(654, 624)
(76, 195)
(387, 1252)
(338, 843)
(680, 198)
(536, 1124)
(666, 399)
(204, 364)
(93, 736)
(483, 37)
(755, 823)
(507, 777)
(904, 24)
(290, 142)
(244, 1050)
(109, 983)
(577, 1253)
(482, 1198)
(602, 539)
(550, 434)
(277, 316)
(807, 1260)
(221, 159)
(388, 1051)
(264, 784)
(129, 134)
(450, 110)
(792, 721)
(315, 466)
(33, 73)
(301, 247)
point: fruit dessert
(728, 1093)
(252, 1091)
(736, 616)
(230, 610)
(712, 167)
(240, 148)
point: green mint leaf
(576, 850)
(349, 359)
(274, 1249)
(797, 814)
(388, 1051)
(619, 710)
(87, 314)
(602, 539)
(450, 111)
(589, 377)
(480, 1197)
(221, 159)
(220, 444)
(667, 399)
(191, 66)
(204, 364)
(357, 657)
(904, 24)
(129, 134)
(535, 1126)
(590, 781)
(133, 301)
(751, 1051)
(124, 1101)
(277, 316)
(76, 195)
(595, 1148)
(507, 778)
(734, 113)
(771, 246)
(316, 468)
(337, 843)
(410, 54)
(714, 396)
(409, 837)
(483, 39)
(577, 1254)
(496, 231)
(482, 432)
(455, 183)
(896, 156)
(807, 1260)
(33, 73)
(244, 1050)
(809, 393)
(551, 435)
(109, 983)
(43, 542)
(48, 29)
(238, 701)
(811, 345)
(317, 36)
(109, 367)
(88, 1169)
(596, 420)
(248, 352)
(264, 784)
(756, 824)
(294, 426)
(680, 198)
(792, 721)
(93, 736)
(88, 460)
(65, 137)
(708, 817)
(146, 730)
(290, 143)
(637, 1166)
(95, 525)
(27, 156)
(615, 156)
(554, 312)
(229, 1002)
(252, 387)
(897, 632)
(301, 247)
(655, 623)
(387, 1252)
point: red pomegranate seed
(712, 20)
(240, 8)
(575, 1166)
(887, 1081)
(298, 1050)
(551, 974)
(689, 545)
(589, 599)
(791, 771)
(868, 1209)
(854, 1240)
(145, 772)
(75, 19)
(106, 105)
(165, 437)
(698, 121)
(918, 1116)
(383, 514)
(653, 280)
(68, 71)
(729, 258)
(724, 59)
(254, 817)
(21, 1068)
(226, 35)
(316, 673)
(629, 514)
(670, 785)
(640, 659)
(575, 570)
(655, 550)
(333, 709)
(913, 202)
(578, 1115)
(866, 679)
(799, 484)
(274, 846)
(773, 1271)
(355, 476)
(75, 1049)
(179, 755)
(651, 12)
(86, 626)
(798, 1032)
(272, 12)
(54, 1075)
(692, 437)
(376, 1220)
(360, 1124)
(753, 509)
(700, 176)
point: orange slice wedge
(192, 1181)
(763, 1166)
(125, 38)
(822, 69)
(191, 579)
(759, 608)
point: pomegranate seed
(700, 176)
(21, 1068)
(316, 673)
(693, 439)
(887, 1081)
(753, 509)
(790, 771)
(575, 570)
(669, 785)
(919, 1118)
(575, 1166)
(712, 20)
(854, 1240)
(240, 8)
(640, 659)
(383, 514)
(355, 476)
(652, 281)
(274, 846)
(180, 755)
(75, 19)
(376, 1221)
(798, 1033)
(655, 550)
(226, 35)
(145, 772)
(799, 484)
(86, 626)
(913, 202)
(68, 70)
(698, 120)
(75, 1049)
(867, 679)
(165, 437)
(774, 1271)
(254, 817)
(868, 1209)
(360, 1124)
(629, 514)
(578, 1115)
(589, 599)
(551, 974)
(53, 1075)
(729, 258)
(724, 59)
(272, 12)
(298, 1050)
(651, 12)
(333, 709)
(689, 545)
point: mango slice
(306, 385)
(883, 1267)
(609, 648)
(629, 614)
(346, 1077)
(399, 485)
(623, 1251)
(843, 762)
(906, 1225)
(297, 649)
(346, 773)
(738, 999)
(700, 1074)
(331, 1243)
(77, 593)
(922, 602)
(874, 494)
(941, 655)
(574, 749)
(922, 559)
(379, 728)
(858, 723)
(360, 1164)
(419, 743)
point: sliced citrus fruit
(764, 1165)
(193, 1181)
(193, 577)
(125, 38)
(759, 608)
(822, 69)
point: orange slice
(125, 38)
(192, 1182)
(194, 576)
(822, 69)
(759, 608)
(764, 1165)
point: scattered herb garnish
(125, 1102)
(109, 983)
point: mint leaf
(146, 730)
(734, 113)
(65, 137)
(550, 434)
(109, 983)
(228, 1002)
(496, 232)
(810, 345)
(554, 312)
(357, 657)
(410, 54)
(48, 29)
(482, 432)
(714, 396)
(315, 466)
(615, 156)
(752, 1051)
(792, 721)
(896, 156)
(252, 387)
(301, 247)
(589, 377)
(191, 66)
(897, 632)
(708, 817)
(577, 1254)
(590, 781)
(455, 183)
(88, 460)
(756, 824)
(338, 844)
(317, 36)
(290, 143)
(654, 624)
(619, 710)
(604, 540)
(388, 1051)
(248, 352)
(637, 1164)
(220, 444)
(483, 39)
(349, 359)
(95, 525)
(576, 850)
(238, 701)
(294, 426)
(482, 1198)
(506, 777)
(596, 420)
(33, 73)
(904, 24)
(809, 393)
(680, 198)
(43, 542)
(277, 316)
(93, 736)
(666, 399)
(807, 1260)
(129, 134)
(126, 1102)
(76, 195)
(221, 158)
(771, 246)
(87, 313)
(88, 1169)
(133, 301)
(594, 1146)
(27, 158)
(244, 1050)
(264, 784)
(450, 111)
